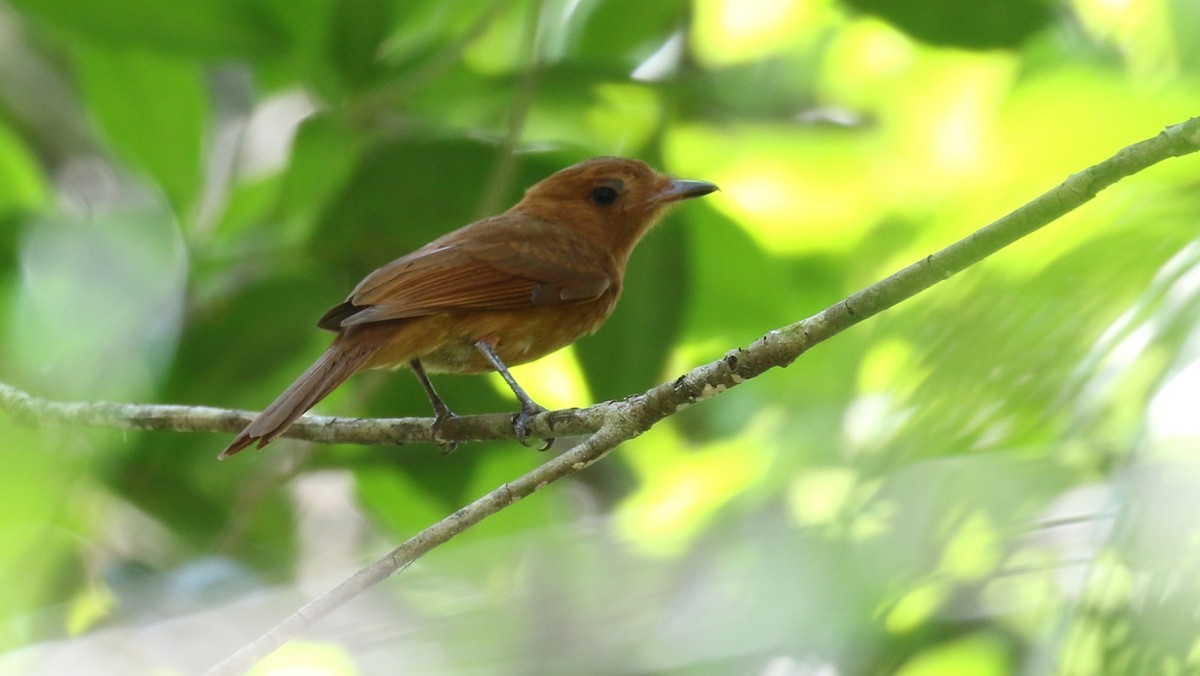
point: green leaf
(22, 186)
(153, 111)
(358, 30)
(400, 196)
(628, 31)
(325, 153)
(196, 28)
(1183, 23)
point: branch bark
(610, 423)
(34, 411)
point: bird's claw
(522, 418)
(444, 446)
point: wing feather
(485, 266)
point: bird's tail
(339, 362)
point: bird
(498, 292)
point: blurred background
(996, 477)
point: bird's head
(611, 201)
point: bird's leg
(528, 406)
(441, 411)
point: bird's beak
(682, 189)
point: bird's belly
(445, 343)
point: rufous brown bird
(498, 292)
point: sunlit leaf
(21, 184)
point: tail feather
(338, 363)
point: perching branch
(34, 411)
(612, 423)
(777, 348)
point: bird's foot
(444, 446)
(522, 418)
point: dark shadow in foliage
(402, 195)
(976, 24)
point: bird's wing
(505, 263)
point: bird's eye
(604, 195)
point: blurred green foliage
(996, 477)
